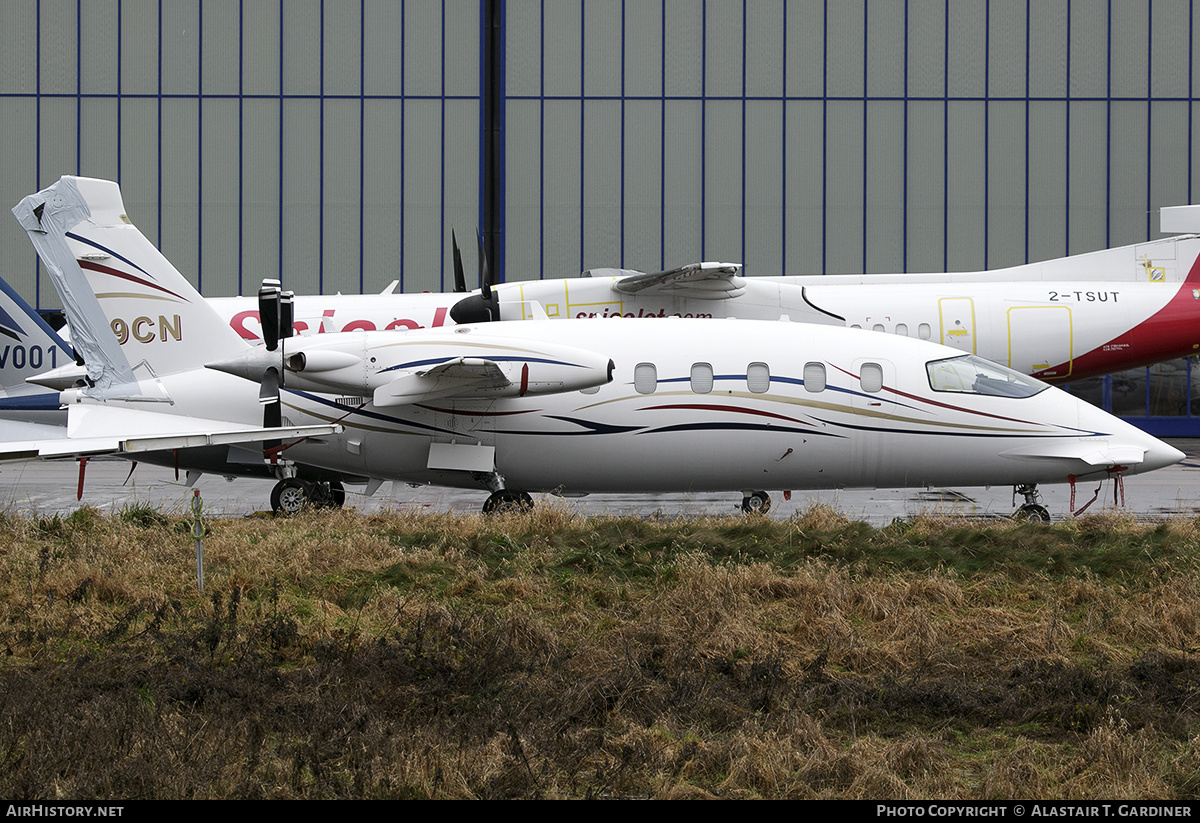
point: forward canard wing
(697, 281)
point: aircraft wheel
(290, 495)
(756, 503)
(331, 495)
(1034, 512)
(337, 494)
(507, 500)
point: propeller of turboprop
(276, 310)
(478, 308)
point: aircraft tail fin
(133, 316)
(28, 346)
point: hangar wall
(334, 144)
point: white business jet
(569, 407)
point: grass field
(551, 655)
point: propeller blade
(485, 282)
(287, 314)
(460, 279)
(268, 312)
(268, 389)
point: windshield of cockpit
(970, 374)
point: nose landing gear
(1032, 509)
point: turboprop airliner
(1059, 320)
(560, 406)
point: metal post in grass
(198, 532)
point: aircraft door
(1040, 340)
(957, 315)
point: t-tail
(28, 346)
(108, 276)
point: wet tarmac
(50, 488)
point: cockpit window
(974, 375)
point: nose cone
(1159, 455)
(1120, 444)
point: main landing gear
(756, 502)
(292, 494)
(1032, 509)
(503, 500)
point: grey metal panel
(602, 43)
(342, 48)
(965, 169)
(803, 187)
(884, 205)
(1128, 200)
(685, 48)
(523, 190)
(423, 49)
(1087, 158)
(180, 47)
(1129, 61)
(383, 196)
(260, 189)
(561, 189)
(98, 138)
(523, 48)
(18, 58)
(59, 47)
(300, 45)
(462, 47)
(682, 178)
(926, 48)
(643, 185)
(724, 48)
(140, 163)
(723, 206)
(461, 199)
(219, 197)
(1007, 28)
(18, 177)
(299, 191)
(844, 187)
(644, 49)
(765, 49)
(926, 202)
(1168, 155)
(885, 49)
(562, 50)
(59, 125)
(1048, 48)
(966, 58)
(261, 53)
(1088, 71)
(382, 46)
(764, 149)
(341, 205)
(423, 161)
(1170, 40)
(1006, 183)
(602, 204)
(221, 59)
(845, 46)
(178, 239)
(806, 47)
(1047, 181)
(97, 57)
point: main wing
(697, 281)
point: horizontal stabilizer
(1179, 220)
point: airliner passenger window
(814, 377)
(645, 378)
(902, 329)
(877, 327)
(974, 375)
(702, 378)
(923, 331)
(758, 377)
(870, 377)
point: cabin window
(814, 377)
(645, 378)
(702, 378)
(855, 326)
(758, 377)
(923, 331)
(877, 327)
(870, 377)
(902, 329)
(974, 375)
